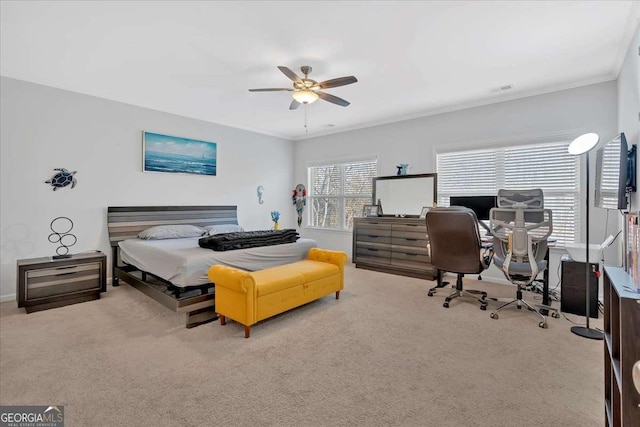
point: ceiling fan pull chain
(306, 129)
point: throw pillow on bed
(223, 228)
(176, 231)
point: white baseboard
(10, 297)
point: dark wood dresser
(47, 283)
(392, 245)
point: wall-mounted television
(615, 173)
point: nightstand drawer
(47, 283)
(65, 271)
(62, 280)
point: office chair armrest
(486, 255)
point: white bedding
(184, 263)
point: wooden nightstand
(45, 283)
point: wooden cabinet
(47, 283)
(392, 245)
(621, 348)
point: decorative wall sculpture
(260, 191)
(62, 179)
(299, 200)
(61, 233)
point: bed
(174, 271)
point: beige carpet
(384, 354)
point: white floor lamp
(581, 145)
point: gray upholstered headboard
(127, 221)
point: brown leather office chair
(455, 246)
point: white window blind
(339, 191)
(609, 175)
(548, 166)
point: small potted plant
(275, 217)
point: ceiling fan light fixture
(305, 96)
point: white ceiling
(198, 59)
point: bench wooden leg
(338, 295)
(223, 320)
(247, 331)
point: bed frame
(197, 302)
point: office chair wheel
(555, 315)
(494, 316)
(519, 307)
(543, 325)
(483, 307)
(429, 294)
(445, 305)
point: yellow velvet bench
(249, 297)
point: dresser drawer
(373, 231)
(374, 252)
(367, 238)
(368, 259)
(409, 228)
(421, 266)
(407, 256)
(409, 241)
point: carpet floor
(384, 354)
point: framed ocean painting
(171, 154)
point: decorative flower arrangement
(275, 217)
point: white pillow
(222, 228)
(176, 231)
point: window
(339, 191)
(546, 165)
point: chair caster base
(543, 325)
(445, 305)
(494, 316)
(483, 307)
(555, 315)
(429, 294)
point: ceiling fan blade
(287, 72)
(271, 89)
(294, 105)
(333, 99)
(340, 81)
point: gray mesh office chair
(520, 226)
(455, 246)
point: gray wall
(629, 102)
(45, 128)
(564, 114)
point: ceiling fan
(306, 90)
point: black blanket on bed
(248, 239)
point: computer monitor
(481, 205)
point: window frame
(562, 138)
(341, 197)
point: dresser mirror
(405, 195)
